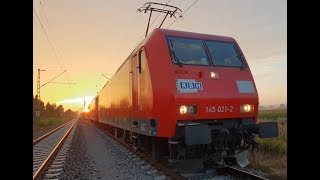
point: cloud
(80, 100)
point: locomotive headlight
(183, 109)
(188, 109)
(245, 108)
(214, 75)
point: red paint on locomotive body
(154, 94)
(216, 92)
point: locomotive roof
(179, 33)
(194, 35)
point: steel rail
(48, 134)
(41, 170)
(239, 172)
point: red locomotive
(185, 95)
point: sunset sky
(88, 38)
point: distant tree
(54, 106)
(261, 107)
(49, 112)
(36, 105)
(34, 102)
(271, 106)
(42, 109)
(68, 114)
(282, 106)
(59, 111)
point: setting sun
(77, 103)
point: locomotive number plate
(219, 109)
(188, 86)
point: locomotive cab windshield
(189, 51)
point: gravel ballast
(77, 164)
(94, 155)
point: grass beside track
(276, 146)
(272, 155)
(46, 122)
(272, 114)
(46, 125)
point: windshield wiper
(174, 54)
(240, 57)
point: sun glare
(77, 103)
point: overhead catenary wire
(53, 78)
(62, 83)
(143, 35)
(45, 15)
(47, 38)
(159, 13)
(50, 31)
(183, 13)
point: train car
(185, 95)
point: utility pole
(83, 113)
(39, 100)
(38, 109)
(84, 104)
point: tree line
(51, 110)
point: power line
(184, 12)
(116, 51)
(49, 43)
(106, 76)
(45, 15)
(48, 38)
(190, 6)
(62, 83)
(53, 78)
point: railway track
(48, 134)
(221, 171)
(49, 152)
(236, 171)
